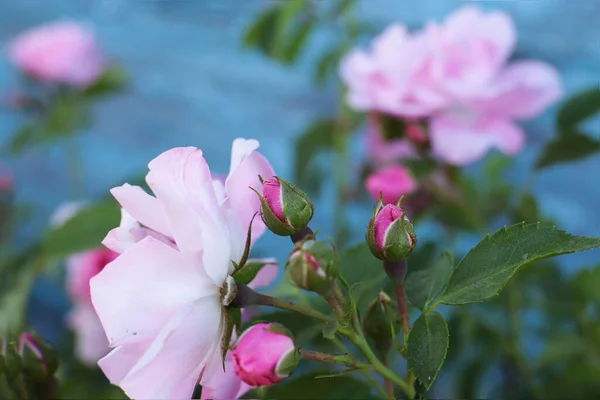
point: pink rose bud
(62, 52)
(313, 265)
(38, 360)
(285, 208)
(265, 354)
(390, 235)
(391, 183)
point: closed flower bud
(10, 363)
(390, 234)
(313, 265)
(38, 360)
(378, 322)
(265, 354)
(285, 208)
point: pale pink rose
(90, 340)
(391, 182)
(384, 78)
(484, 95)
(62, 52)
(161, 304)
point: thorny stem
(337, 292)
(330, 358)
(396, 271)
(283, 304)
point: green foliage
(308, 387)
(492, 262)
(84, 231)
(427, 346)
(16, 278)
(112, 80)
(249, 271)
(425, 282)
(565, 148)
(317, 138)
(577, 109)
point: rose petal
(142, 207)
(90, 341)
(138, 292)
(266, 275)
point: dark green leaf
(360, 268)
(577, 109)
(427, 346)
(326, 63)
(261, 33)
(562, 347)
(487, 267)
(587, 284)
(563, 149)
(469, 378)
(391, 127)
(526, 210)
(112, 80)
(24, 137)
(308, 387)
(426, 282)
(84, 231)
(64, 117)
(298, 40)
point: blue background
(191, 83)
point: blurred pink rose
(62, 52)
(160, 301)
(381, 151)
(392, 182)
(456, 74)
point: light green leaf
(562, 149)
(487, 267)
(577, 109)
(298, 41)
(426, 282)
(84, 231)
(308, 387)
(326, 64)
(427, 346)
(261, 33)
(112, 80)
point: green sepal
(233, 320)
(246, 253)
(370, 233)
(11, 360)
(288, 363)
(380, 322)
(270, 219)
(400, 240)
(246, 274)
(298, 209)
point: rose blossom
(457, 75)
(391, 182)
(161, 304)
(62, 52)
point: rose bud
(313, 265)
(285, 208)
(38, 360)
(379, 320)
(390, 234)
(264, 354)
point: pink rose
(390, 234)
(392, 182)
(62, 52)
(264, 354)
(161, 301)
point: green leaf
(112, 80)
(359, 267)
(577, 109)
(326, 64)
(487, 267)
(84, 231)
(17, 274)
(586, 284)
(427, 347)
(261, 33)
(567, 148)
(249, 271)
(562, 347)
(527, 210)
(318, 137)
(308, 387)
(425, 283)
(298, 41)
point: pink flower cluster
(457, 76)
(62, 52)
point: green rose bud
(313, 265)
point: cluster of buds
(264, 354)
(27, 368)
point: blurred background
(191, 81)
